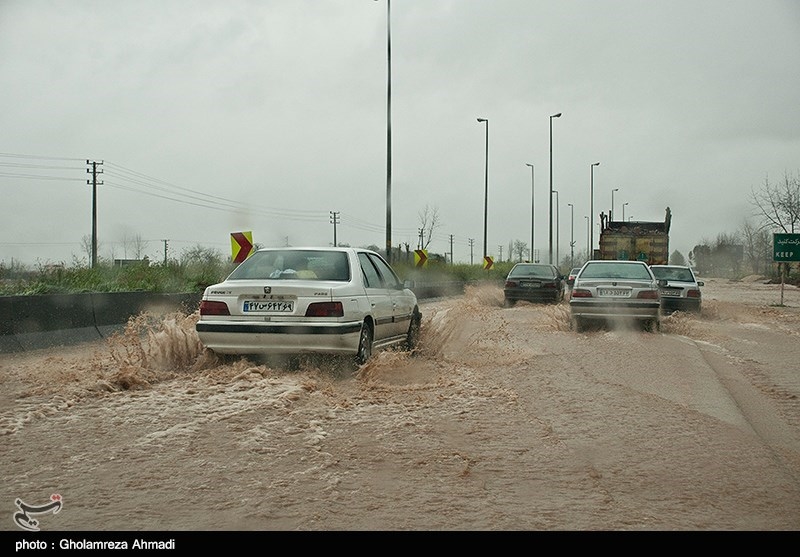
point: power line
(41, 157)
(126, 179)
(39, 177)
(47, 166)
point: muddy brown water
(503, 420)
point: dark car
(534, 282)
(682, 289)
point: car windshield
(673, 273)
(615, 271)
(537, 271)
(294, 264)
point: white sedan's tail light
(648, 294)
(581, 293)
(213, 308)
(325, 309)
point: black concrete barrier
(7, 341)
(53, 320)
(427, 290)
(35, 322)
(113, 310)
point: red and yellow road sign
(420, 258)
(241, 245)
(488, 262)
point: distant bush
(193, 272)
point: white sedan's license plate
(671, 293)
(278, 306)
(614, 292)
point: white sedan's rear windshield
(615, 271)
(673, 273)
(293, 265)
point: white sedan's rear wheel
(412, 337)
(364, 344)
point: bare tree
(86, 246)
(139, 246)
(429, 221)
(757, 246)
(520, 249)
(778, 205)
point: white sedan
(611, 291)
(321, 300)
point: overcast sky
(214, 117)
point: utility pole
(471, 244)
(421, 242)
(451, 249)
(165, 251)
(500, 247)
(334, 222)
(94, 172)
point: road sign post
(785, 249)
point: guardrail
(35, 322)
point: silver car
(682, 289)
(608, 291)
(291, 301)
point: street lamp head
(615, 189)
(482, 120)
(596, 164)
(528, 164)
(556, 115)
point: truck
(631, 240)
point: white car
(319, 300)
(682, 289)
(609, 290)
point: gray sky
(213, 117)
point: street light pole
(588, 228)
(533, 253)
(486, 187)
(611, 214)
(388, 131)
(551, 184)
(558, 225)
(623, 211)
(591, 211)
(571, 234)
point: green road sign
(786, 247)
